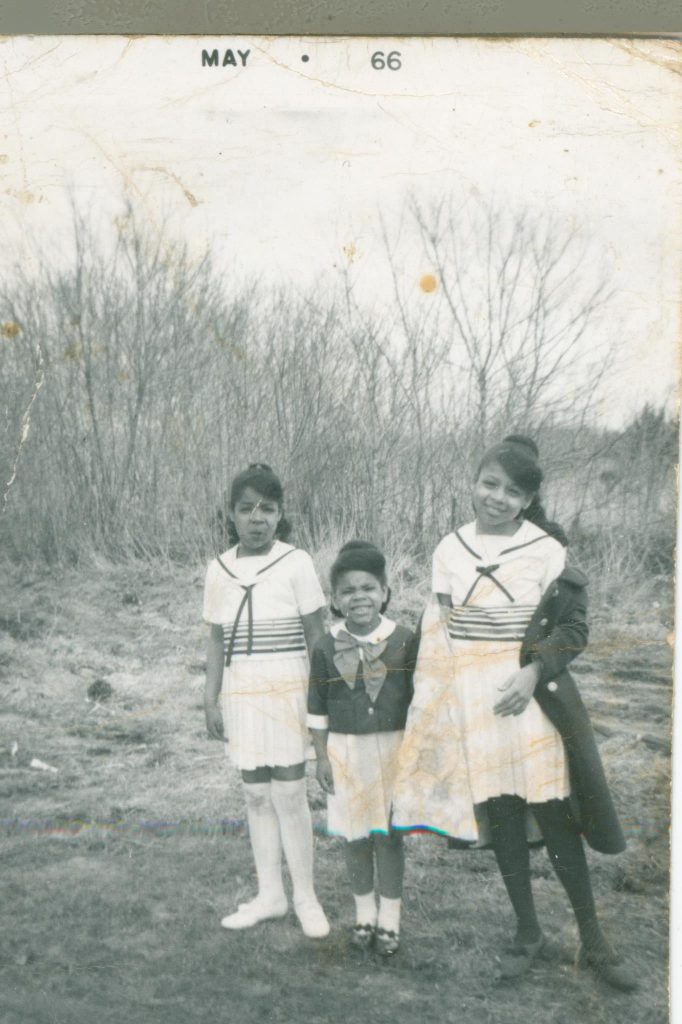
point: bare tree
(162, 378)
(523, 298)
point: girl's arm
(215, 657)
(549, 657)
(444, 606)
(567, 639)
(313, 628)
(324, 768)
(318, 720)
(441, 582)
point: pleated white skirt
(264, 711)
(364, 769)
(457, 752)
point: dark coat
(351, 710)
(556, 634)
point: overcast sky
(284, 166)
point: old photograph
(338, 455)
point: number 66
(391, 61)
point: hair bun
(524, 442)
(260, 465)
(359, 555)
(358, 545)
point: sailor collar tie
(246, 603)
(488, 571)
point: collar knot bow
(350, 651)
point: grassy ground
(118, 865)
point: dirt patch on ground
(125, 844)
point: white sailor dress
(258, 601)
(456, 752)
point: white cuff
(317, 721)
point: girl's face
(255, 519)
(498, 500)
(359, 596)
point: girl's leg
(506, 815)
(267, 854)
(567, 854)
(295, 826)
(390, 869)
(359, 854)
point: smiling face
(498, 500)
(359, 596)
(255, 519)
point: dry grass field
(118, 864)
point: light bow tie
(347, 657)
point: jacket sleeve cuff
(317, 721)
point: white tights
(265, 841)
(296, 830)
(279, 818)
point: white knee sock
(296, 829)
(265, 841)
(389, 914)
(365, 908)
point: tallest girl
(496, 735)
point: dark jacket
(556, 634)
(351, 710)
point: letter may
(211, 58)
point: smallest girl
(360, 690)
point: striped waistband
(467, 622)
(268, 636)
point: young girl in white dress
(479, 752)
(360, 689)
(264, 604)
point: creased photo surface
(338, 458)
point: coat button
(543, 622)
(552, 687)
(370, 711)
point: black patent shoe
(608, 967)
(362, 936)
(387, 943)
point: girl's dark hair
(359, 556)
(518, 456)
(260, 478)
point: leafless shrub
(160, 378)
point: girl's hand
(214, 722)
(518, 691)
(324, 774)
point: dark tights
(390, 860)
(566, 853)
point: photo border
(501, 18)
(327, 17)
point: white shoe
(312, 918)
(278, 900)
(250, 914)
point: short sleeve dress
(258, 601)
(456, 752)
